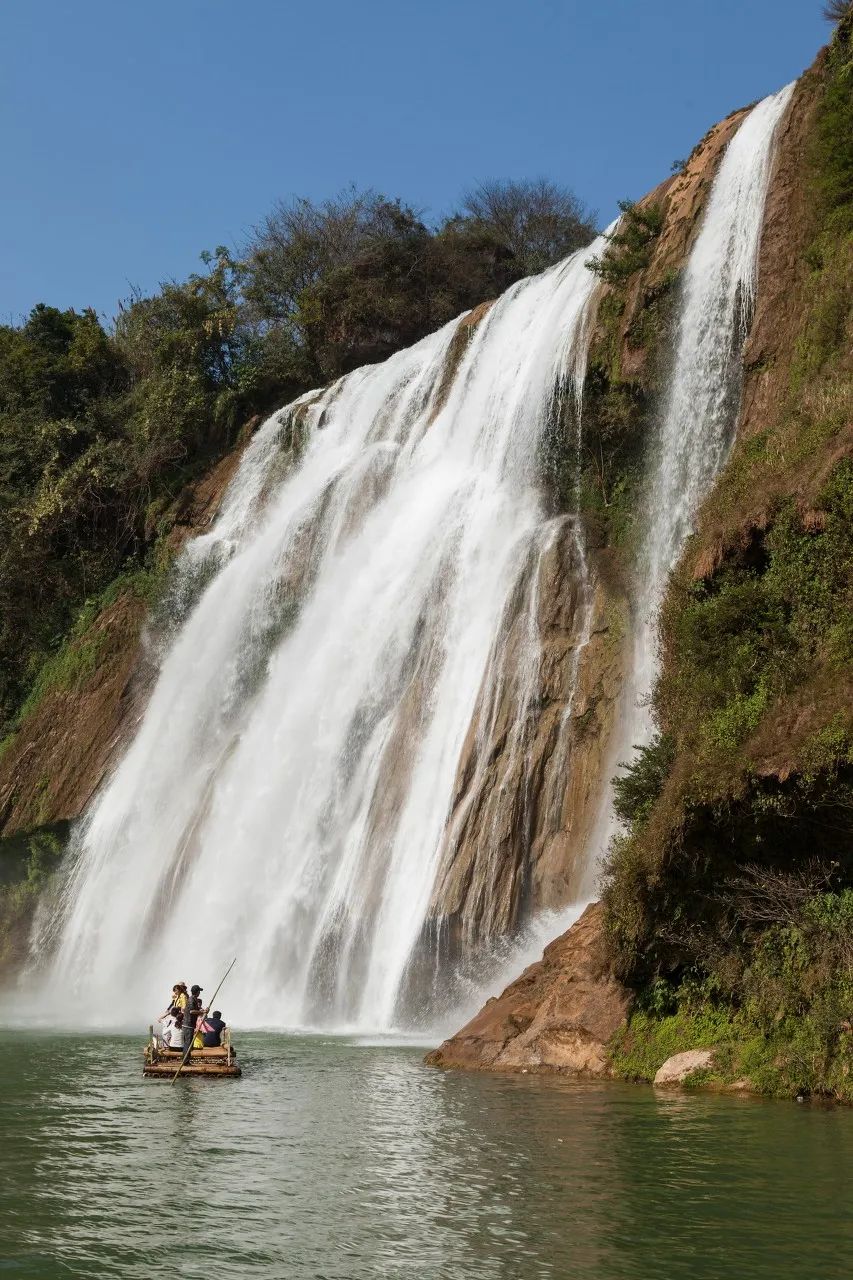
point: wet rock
(557, 1017)
(529, 781)
(681, 1065)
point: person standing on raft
(195, 1010)
(181, 1027)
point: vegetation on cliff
(729, 896)
(634, 315)
(98, 433)
(347, 282)
(27, 862)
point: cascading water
(700, 408)
(703, 397)
(286, 793)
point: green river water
(339, 1160)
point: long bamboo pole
(204, 1015)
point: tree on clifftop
(536, 221)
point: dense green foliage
(349, 281)
(617, 408)
(636, 790)
(729, 895)
(27, 861)
(781, 611)
(630, 245)
(98, 432)
(780, 1018)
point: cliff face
(89, 703)
(755, 691)
(529, 787)
(559, 1015)
(525, 803)
(517, 834)
(521, 837)
(526, 806)
(528, 791)
(728, 901)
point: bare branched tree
(300, 242)
(837, 10)
(536, 221)
(768, 895)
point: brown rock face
(530, 774)
(530, 779)
(558, 1016)
(56, 761)
(682, 201)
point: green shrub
(636, 790)
(639, 1049)
(630, 245)
(786, 1026)
(28, 861)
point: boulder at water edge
(558, 1016)
(681, 1065)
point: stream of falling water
(286, 792)
(701, 405)
(703, 398)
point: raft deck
(163, 1063)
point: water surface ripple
(333, 1160)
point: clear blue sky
(135, 133)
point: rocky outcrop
(681, 200)
(530, 775)
(677, 1069)
(558, 1016)
(529, 783)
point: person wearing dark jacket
(196, 1008)
(211, 1030)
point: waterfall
(285, 795)
(703, 395)
(345, 641)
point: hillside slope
(728, 899)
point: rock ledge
(557, 1017)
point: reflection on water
(342, 1161)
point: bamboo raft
(163, 1063)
